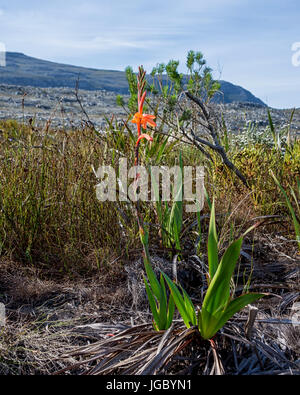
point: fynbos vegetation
(153, 288)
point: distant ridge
(25, 70)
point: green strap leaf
(184, 306)
(212, 245)
(218, 291)
(209, 325)
(238, 304)
(152, 304)
(171, 311)
(154, 283)
(163, 303)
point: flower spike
(144, 136)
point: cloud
(98, 44)
(250, 41)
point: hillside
(24, 70)
(60, 104)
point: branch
(216, 146)
(87, 121)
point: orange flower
(144, 136)
(147, 118)
(142, 120)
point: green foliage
(120, 101)
(132, 84)
(159, 150)
(183, 303)
(162, 309)
(212, 249)
(168, 83)
(255, 161)
(175, 77)
(200, 82)
(219, 304)
(293, 214)
(51, 217)
(170, 218)
(185, 116)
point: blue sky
(248, 43)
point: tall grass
(294, 213)
(49, 213)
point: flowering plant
(162, 309)
(219, 304)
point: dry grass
(67, 261)
(78, 327)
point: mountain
(28, 71)
(25, 70)
(230, 93)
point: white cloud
(240, 38)
(99, 44)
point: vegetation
(51, 220)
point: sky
(251, 43)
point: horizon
(251, 45)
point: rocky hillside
(61, 106)
(24, 70)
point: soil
(47, 318)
